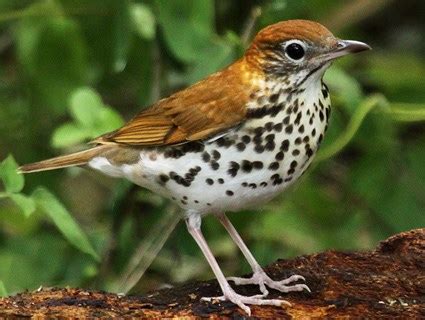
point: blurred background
(73, 69)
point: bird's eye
(295, 51)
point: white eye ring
(295, 50)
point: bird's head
(298, 50)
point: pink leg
(193, 223)
(259, 277)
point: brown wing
(207, 108)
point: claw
(261, 279)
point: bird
(231, 141)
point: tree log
(388, 283)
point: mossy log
(387, 283)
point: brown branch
(386, 283)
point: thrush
(231, 141)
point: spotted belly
(242, 169)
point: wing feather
(207, 108)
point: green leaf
(108, 120)
(92, 118)
(218, 55)
(345, 87)
(143, 20)
(187, 26)
(52, 53)
(26, 203)
(85, 104)
(12, 180)
(122, 31)
(68, 135)
(3, 291)
(63, 221)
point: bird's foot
(243, 301)
(261, 279)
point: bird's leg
(193, 223)
(259, 277)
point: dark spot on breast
(192, 147)
(294, 164)
(285, 145)
(253, 186)
(246, 166)
(229, 193)
(244, 184)
(278, 181)
(321, 116)
(291, 171)
(328, 113)
(309, 152)
(296, 152)
(258, 113)
(216, 155)
(196, 201)
(259, 148)
(259, 131)
(263, 184)
(257, 165)
(220, 180)
(269, 126)
(246, 139)
(298, 141)
(206, 157)
(298, 118)
(274, 166)
(289, 129)
(325, 93)
(241, 146)
(173, 152)
(286, 120)
(233, 168)
(270, 146)
(269, 137)
(163, 179)
(224, 142)
(258, 140)
(273, 98)
(209, 181)
(214, 165)
(279, 156)
(278, 127)
(301, 129)
(313, 132)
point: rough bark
(388, 283)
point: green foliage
(63, 220)
(46, 202)
(91, 118)
(66, 62)
(13, 182)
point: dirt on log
(386, 283)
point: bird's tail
(69, 160)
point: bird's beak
(345, 47)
